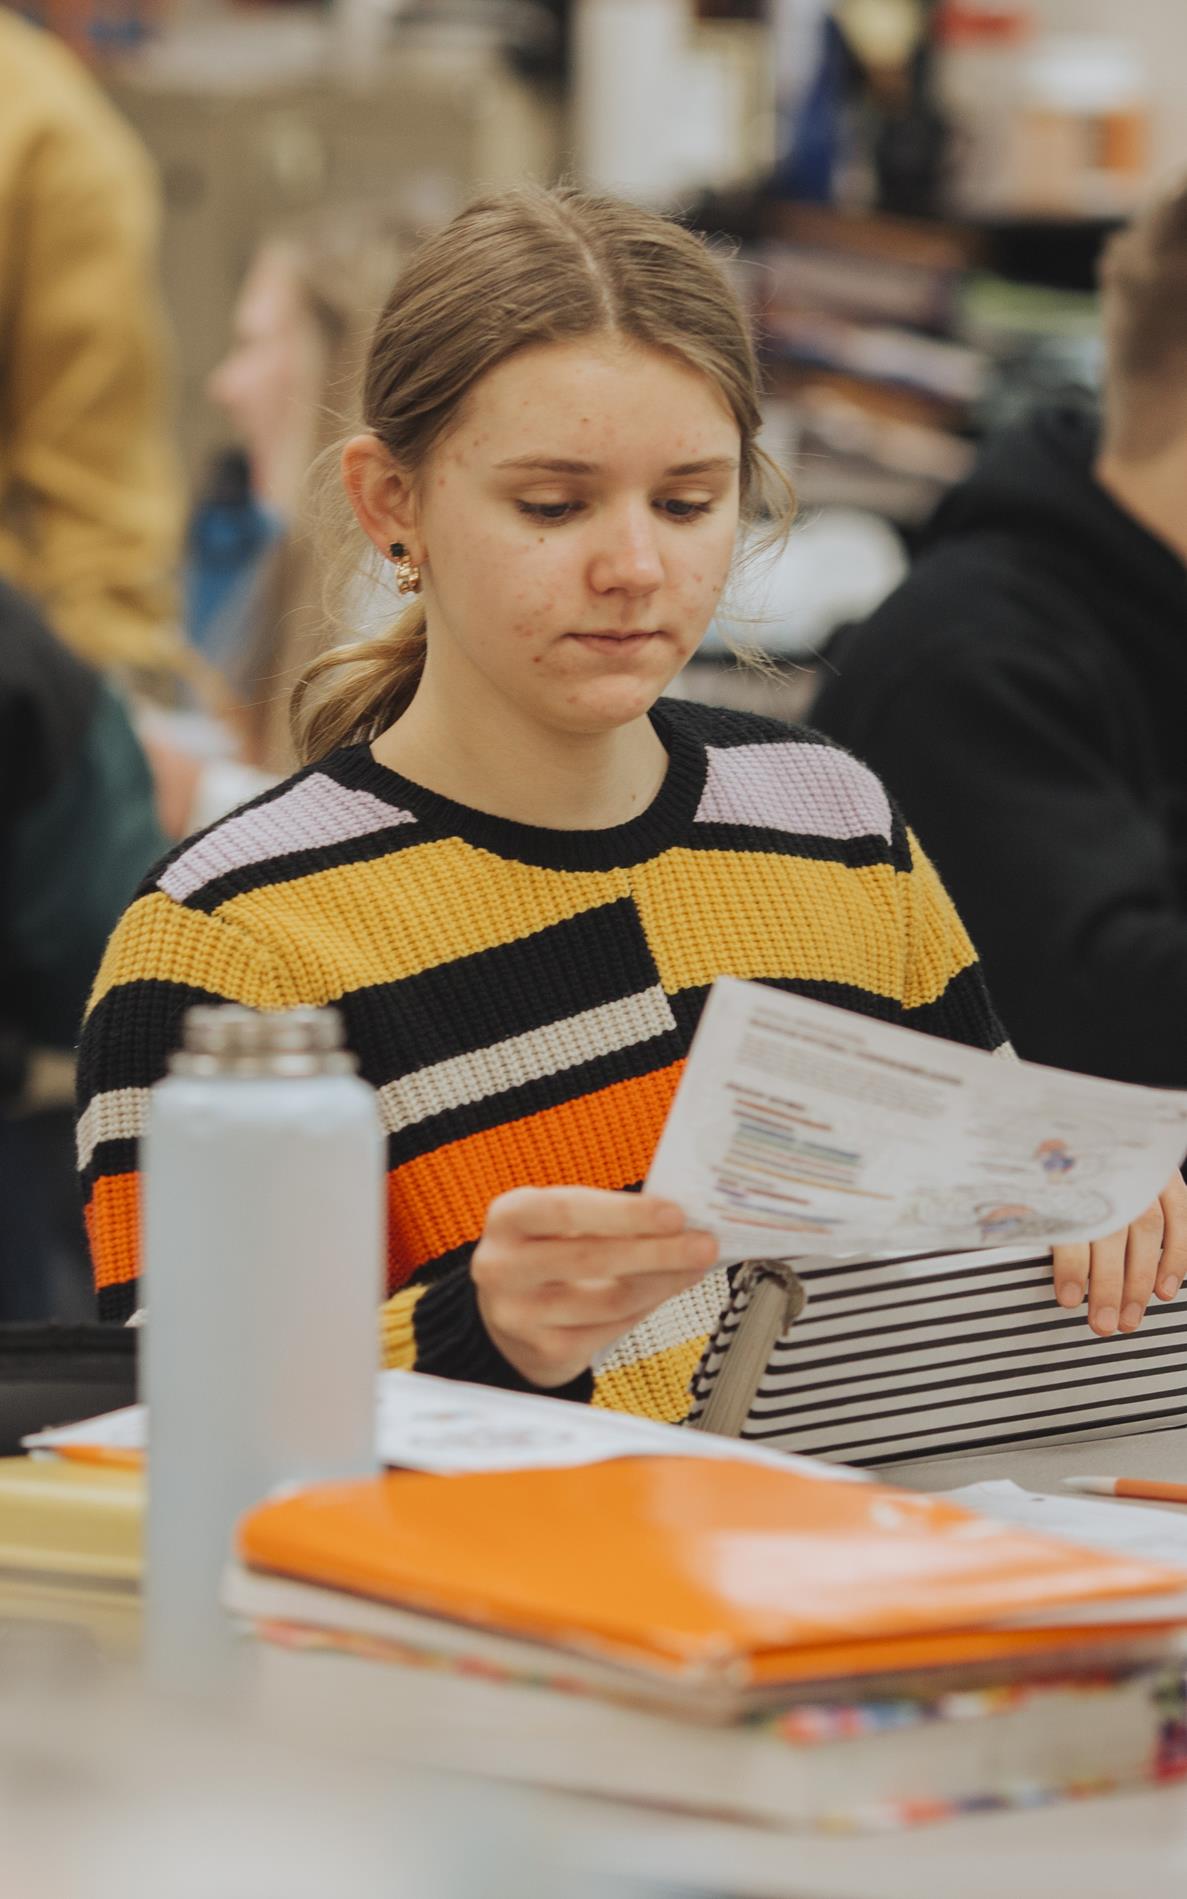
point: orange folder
(719, 1571)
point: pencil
(1128, 1487)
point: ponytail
(364, 688)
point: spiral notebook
(921, 1355)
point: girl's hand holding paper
(1123, 1270)
(562, 1272)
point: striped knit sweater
(521, 998)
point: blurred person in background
(1023, 693)
(289, 377)
(77, 831)
(90, 500)
(91, 504)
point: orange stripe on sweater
(439, 1200)
(113, 1229)
(604, 1139)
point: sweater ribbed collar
(666, 820)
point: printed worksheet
(801, 1129)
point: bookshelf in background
(891, 344)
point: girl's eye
(548, 510)
(674, 509)
(677, 510)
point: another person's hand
(562, 1272)
(1121, 1272)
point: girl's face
(271, 380)
(577, 528)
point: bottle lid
(226, 1038)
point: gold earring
(407, 571)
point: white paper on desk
(1154, 1535)
(438, 1424)
(799, 1129)
(123, 1430)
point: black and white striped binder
(919, 1356)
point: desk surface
(1096, 1849)
(1161, 1454)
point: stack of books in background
(872, 393)
(891, 344)
(70, 1536)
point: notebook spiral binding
(766, 1298)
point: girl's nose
(629, 560)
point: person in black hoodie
(78, 829)
(1024, 693)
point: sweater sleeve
(944, 989)
(438, 1328)
(162, 958)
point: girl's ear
(381, 496)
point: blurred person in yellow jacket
(90, 498)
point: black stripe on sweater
(598, 956)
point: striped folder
(916, 1356)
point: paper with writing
(801, 1129)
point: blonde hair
(525, 267)
(340, 269)
(1143, 276)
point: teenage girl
(512, 865)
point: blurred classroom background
(914, 193)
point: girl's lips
(612, 642)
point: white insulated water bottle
(263, 1249)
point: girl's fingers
(570, 1213)
(1106, 1282)
(1069, 1270)
(1121, 1272)
(1143, 1253)
(617, 1304)
(523, 1265)
(1172, 1270)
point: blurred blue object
(229, 534)
(807, 171)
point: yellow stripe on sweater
(756, 915)
(938, 939)
(158, 940)
(381, 921)
(656, 1386)
(397, 1340)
